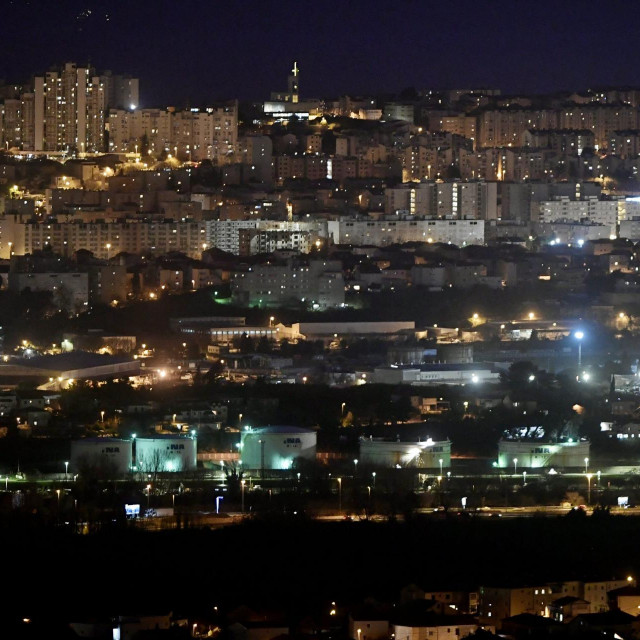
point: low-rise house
(567, 608)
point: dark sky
(199, 50)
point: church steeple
(293, 83)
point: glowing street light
(339, 495)
(589, 476)
(440, 461)
(373, 475)
(66, 470)
(355, 466)
(242, 483)
(586, 465)
(515, 466)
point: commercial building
(424, 454)
(536, 454)
(434, 374)
(276, 447)
(64, 368)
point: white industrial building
(107, 455)
(166, 453)
(276, 447)
(398, 230)
(454, 374)
(535, 454)
(424, 454)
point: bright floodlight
(579, 335)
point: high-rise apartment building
(191, 135)
(64, 109)
(456, 199)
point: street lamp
(524, 478)
(339, 495)
(579, 335)
(440, 461)
(148, 496)
(66, 470)
(586, 465)
(242, 490)
(102, 416)
(355, 467)
(515, 466)
(589, 476)
(373, 475)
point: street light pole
(440, 466)
(589, 476)
(373, 475)
(355, 467)
(242, 490)
(579, 335)
(515, 466)
(586, 465)
(66, 470)
(339, 495)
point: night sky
(194, 51)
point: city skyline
(354, 48)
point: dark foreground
(299, 565)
